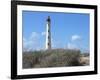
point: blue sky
(68, 30)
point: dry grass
(53, 58)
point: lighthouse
(48, 33)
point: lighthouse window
(48, 31)
(48, 44)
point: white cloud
(34, 35)
(43, 33)
(71, 46)
(32, 42)
(75, 37)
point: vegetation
(52, 58)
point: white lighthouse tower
(48, 33)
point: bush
(51, 58)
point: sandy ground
(84, 60)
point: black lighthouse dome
(48, 19)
